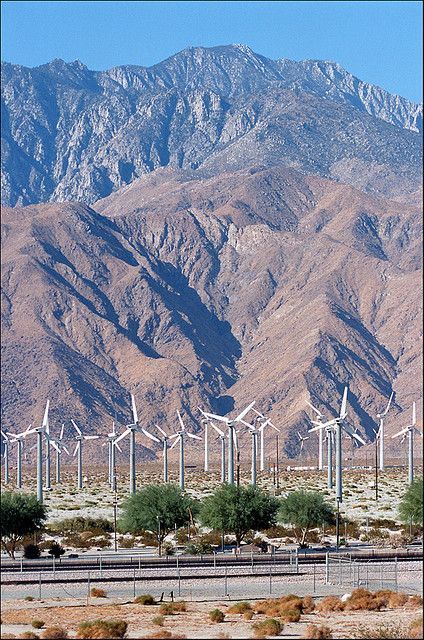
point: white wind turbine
(164, 441)
(19, 439)
(231, 435)
(221, 436)
(205, 423)
(254, 432)
(131, 431)
(409, 431)
(111, 445)
(302, 440)
(60, 447)
(338, 424)
(265, 423)
(80, 438)
(6, 444)
(321, 418)
(380, 433)
(180, 435)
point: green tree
(237, 509)
(305, 510)
(411, 505)
(21, 515)
(56, 550)
(157, 508)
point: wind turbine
(261, 430)
(409, 431)
(19, 439)
(221, 436)
(6, 441)
(180, 435)
(231, 436)
(131, 431)
(302, 441)
(320, 417)
(164, 441)
(111, 444)
(59, 449)
(380, 433)
(205, 422)
(80, 437)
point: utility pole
(338, 524)
(159, 541)
(277, 464)
(238, 468)
(376, 468)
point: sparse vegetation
(329, 604)
(37, 624)
(54, 633)
(411, 505)
(240, 607)
(216, 615)
(102, 629)
(266, 628)
(305, 510)
(318, 632)
(158, 621)
(96, 592)
(145, 599)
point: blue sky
(379, 42)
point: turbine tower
(164, 441)
(80, 438)
(131, 431)
(409, 431)
(231, 435)
(19, 439)
(320, 417)
(111, 445)
(261, 430)
(6, 441)
(221, 436)
(180, 435)
(380, 433)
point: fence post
(214, 559)
(327, 568)
(396, 573)
(179, 582)
(381, 576)
(340, 570)
(88, 586)
(22, 565)
(270, 580)
(39, 587)
(225, 583)
(314, 577)
(367, 576)
(297, 560)
(54, 565)
(139, 563)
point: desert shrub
(290, 615)
(96, 592)
(7, 636)
(240, 607)
(380, 632)
(415, 601)
(106, 629)
(330, 603)
(127, 543)
(146, 599)
(362, 599)
(278, 531)
(320, 632)
(248, 615)
(181, 605)
(166, 609)
(268, 627)
(54, 633)
(96, 526)
(163, 635)
(158, 621)
(29, 598)
(28, 635)
(168, 549)
(55, 549)
(216, 615)
(37, 624)
(416, 628)
(32, 551)
(291, 602)
(308, 604)
(397, 600)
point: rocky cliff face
(189, 291)
(69, 133)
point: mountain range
(217, 228)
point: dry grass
(290, 615)
(37, 624)
(248, 615)
(216, 615)
(145, 599)
(240, 607)
(28, 635)
(308, 604)
(105, 629)
(54, 633)
(266, 628)
(318, 632)
(330, 604)
(96, 592)
(163, 635)
(158, 621)
(416, 628)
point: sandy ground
(193, 623)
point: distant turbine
(6, 441)
(221, 436)
(180, 435)
(231, 436)
(381, 416)
(111, 446)
(320, 417)
(164, 441)
(409, 431)
(80, 438)
(302, 441)
(19, 439)
(265, 423)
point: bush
(397, 600)
(318, 632)
(54, 633)
(240, 607)
(166, 609)
(216, 615)
(28, 635)
(248, 615)
(416, 628)
(37, 624)
(32, 551)
(96, 526)
(163, 635)
(381, 632)
(96, 592)
(330, 603)
(415, 601)
(55, 550)
(158, 620)
(145, 599)
(268, 627)
(102, 629)
(179, 606)
(362, 599)
(29, 598)
(290, 615)
(308, 604)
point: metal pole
(329, 460)
(314, 568)
(57, 467)
(270, 581)
(339, 491)
(262, 452)
(327, 568)
(113, 467)
(39, 466)
(39, 587)
(79, 479)
(222, 459)
(100, 565)
(6, 463)
(134, 582)
(181, 462)
(411, 456)
(132, 462)
(165, 460)
(277, 463)
(214, 559)
(109, 457)
(338, 524)
(19, 465)
(253, 481)
(238, 467)
(88, 586)
(159, 540)
(297, 560)
(179, 582)
(381, 432)
(376, 469)
(230, 455)
(225, 583)
(206, 448)
(48, 476)
(320, 449)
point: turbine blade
(54, 445)
(91, 437)
(180, 420)
(134, 410)
(320, 426)
(215, 417)
(62, 429)
(388, 404)
(243, 413)
(76, 449)
(344, 404)
(117, 446)
(125, 433)
(221, 433)
(76, 427)
(161, 430)
(149, 435)
(66, 449)
(191, 435)
(246, 424)
(401, 433)
(46, 415)
(317, 411)
(174, 435)
(174, 443)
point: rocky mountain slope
(69, 133)
(188, 290)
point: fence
(342, 570)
